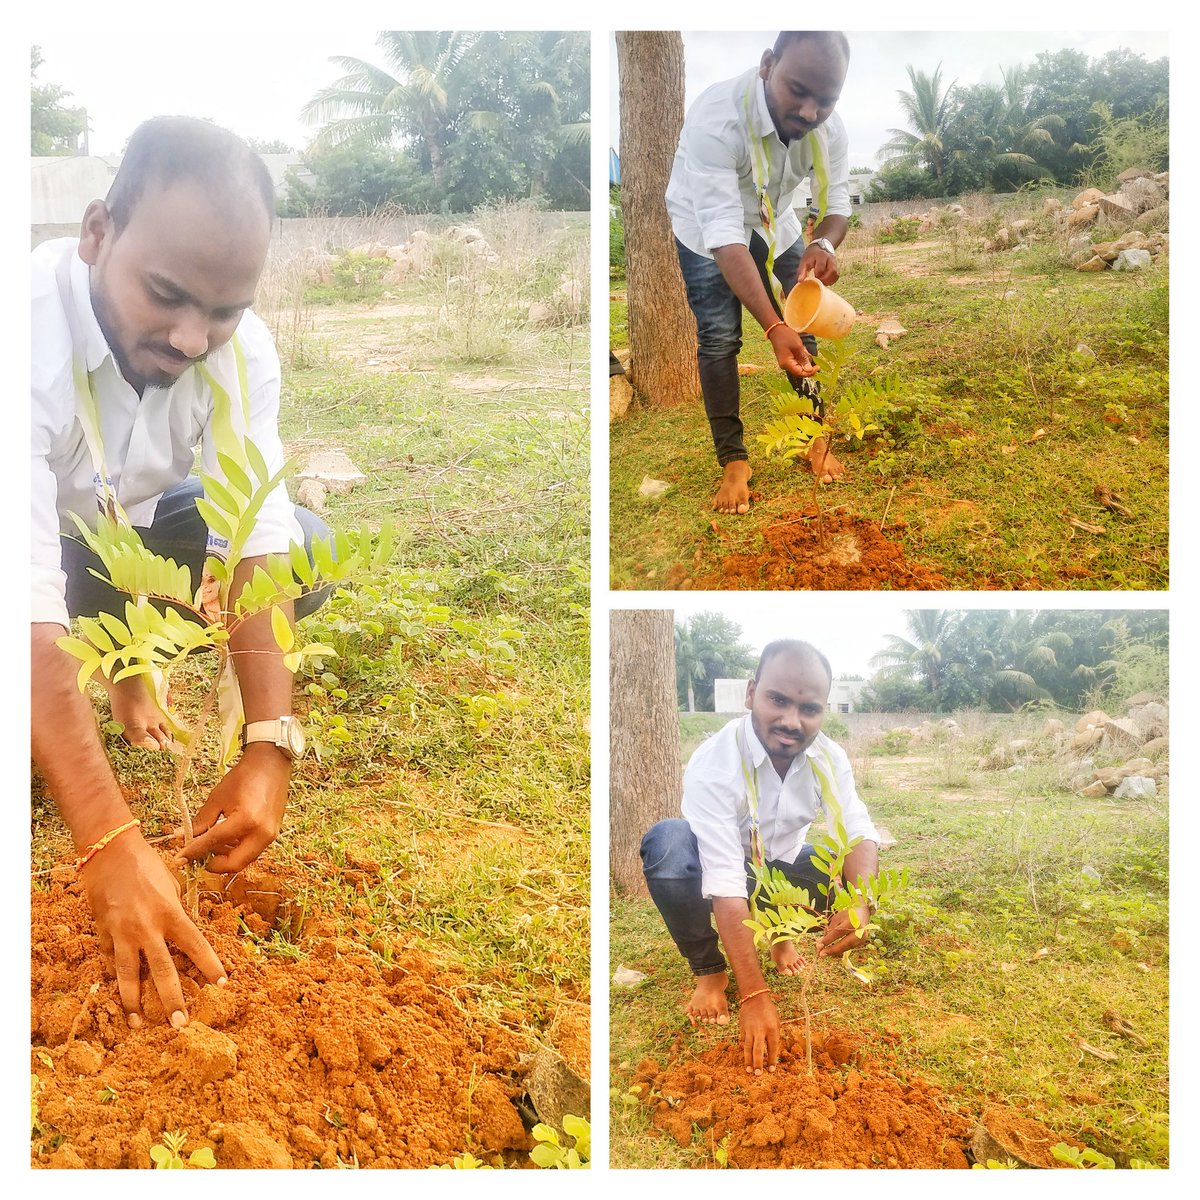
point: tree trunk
(662, 331)
(645, 775)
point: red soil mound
(831, 1118)
(296, 1063)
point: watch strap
(264, 731)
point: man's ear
(765, 63)
(750, 685)
(97, 226)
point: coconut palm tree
(925, 655)
(929, 110)
(412, 100)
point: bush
(616, 235)
(901, 229)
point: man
(746, 146)
(159, 281)
(696, 868)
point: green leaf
(545, 1155)
(281, 627)
(216, 520)
(258, 464)
(234, 473)
(203, 1157)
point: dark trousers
(718, 314)
(671, 865)
(178, 532)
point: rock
(539, 314)
(1050, 206)
(201, 1054)
(1083, 216)
(1020, 227)
(652, 488)
(1079, 782)
(1087, 739)
(891, 328)
(334, 469)
(1137, 766)
(1086, 197)
(1002, 238)
(555, 1090)
(1132, 260)
(420, 251)
(627, 977)
(398, 272)
(1092, 720)
(370, 250)
(311, 495)
(1116, 208)
(1094, 790)
(572, 291)
(1134, 173)
(1141, 195)
(620, 395)
(1142, 698)
(1096, 263)
(1136, 787)
(1154, 217)
(466, 234)
(1053, 728)
(245, 1144)
(1123, 732)
(1109, 250)
(1155, 746)
(1150, 718)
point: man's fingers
(210, 813)
(166, 981)
(220, 837)
(772, 1048)
(240, 856)
(127, 962)
(193, 943)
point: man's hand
(818, 262)
(758, 1032)
(790, 353)
(244, 813)
(841, 935)
(135, 900)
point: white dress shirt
(716, 806)
(149, 441)
(711, 196)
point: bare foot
(824, 465)
(708, 1005)
(135, 707)
(733, 496)
(786, 958)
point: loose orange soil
(296, 1063)
(845, 1114)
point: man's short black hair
(830, 37)
(795, 647)
(165, 150)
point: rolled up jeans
(718, 314)
(179, 532)
(671, 866)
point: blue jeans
(671, 865)
(178, 532)
(718, 314)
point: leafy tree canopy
(55, 128)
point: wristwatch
(286, 733)
(825, 245)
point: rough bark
(662, 331)
(645, 774)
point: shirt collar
(95, 348)
(760, 116)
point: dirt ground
(848, 554)
(847, 1114)
(305, 1061)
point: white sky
(877, 68)
(261, 81)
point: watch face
(295, 738)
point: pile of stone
(1140, 738)
(932, 733)
(1142, 197)
(934, 216)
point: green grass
(452, 723)
(998, 875)
(990, 354)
